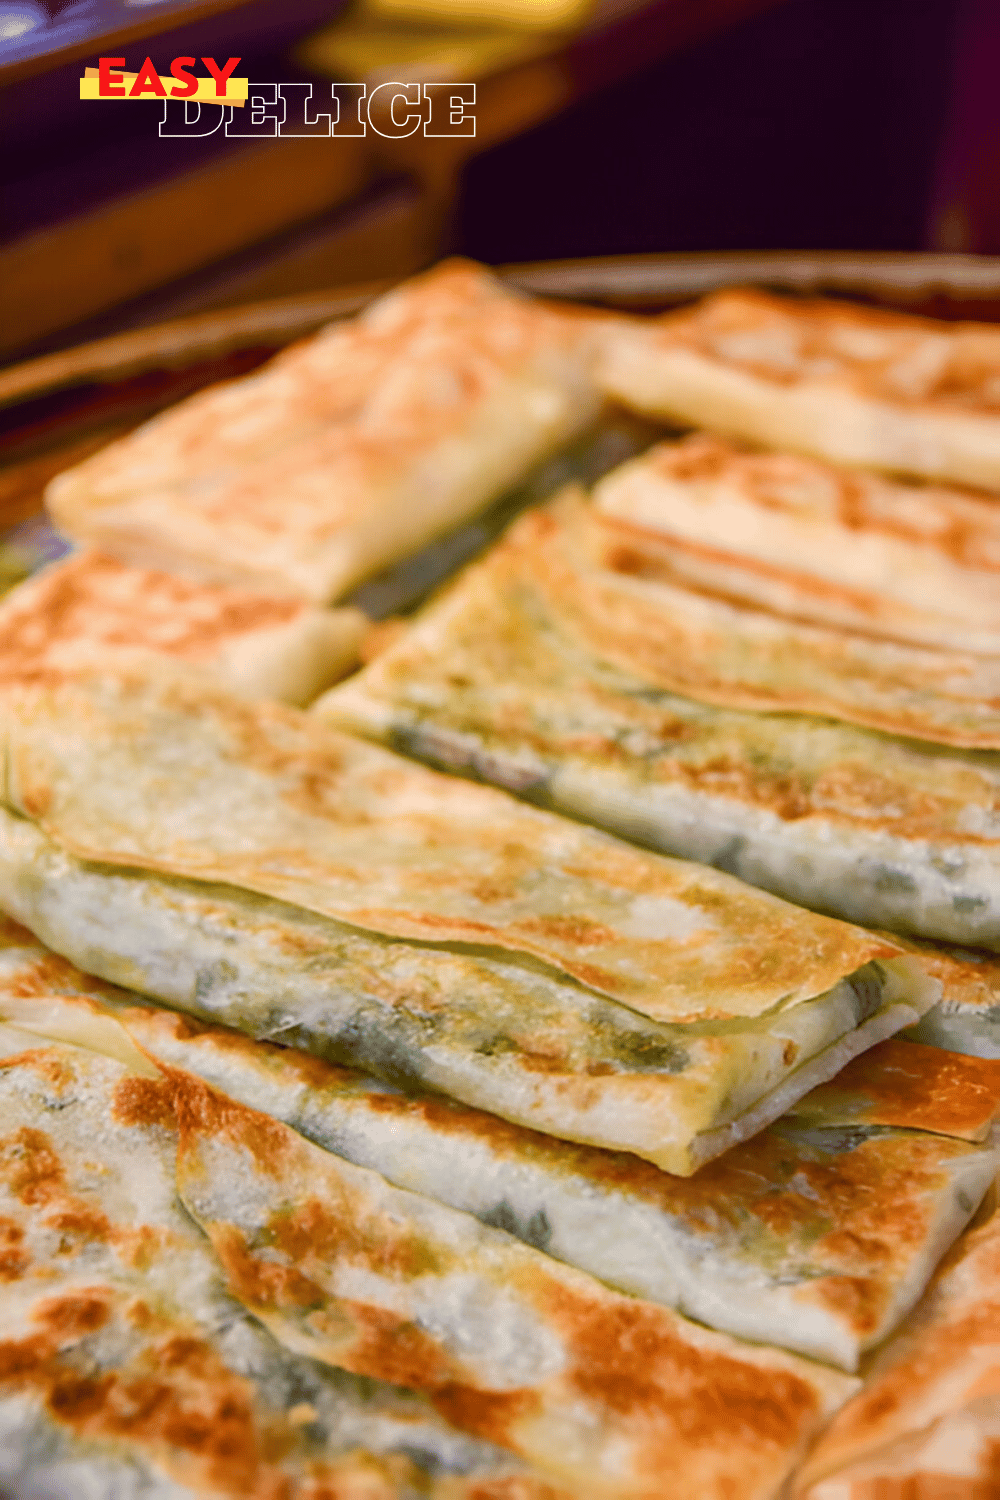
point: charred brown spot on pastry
(78, 1220)
(577, 930)
(139, 1314)
(386, 1346)
(492, 1415)
(860, 1300)
(21, 1358)
(196, 1406)
(78, 1399)
(204, 1113)
(46, 975)
(43, 1061)
(630, 1357)
(144, 1102)
(259, 1283)
(73, 1315)
(30, 1166)
(784, 792)
(312, 1230)
(15, 1258)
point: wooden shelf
(177, 242)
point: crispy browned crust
(120, 1349)
(855, 1206)
(508, 677)
(93, 599)
(923, 1088)
(350, 449)
(868, 388)
(944, 1362)
(656, 1395)
(895, 356)
(333, 825)
(811, 540)
(735, 656)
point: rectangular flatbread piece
(688, 1009)
(899, 1083)
(737, 656)
(92, 611)
(349, 450)
(126, 1368)
(612, 1395)
(867, 388)
(925, 1422)
(815, 1236)
(497, 679)
(918, 563)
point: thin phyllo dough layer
(636, 1002)
(856, 385)
(349, 450)
(916, 563)
(925, 1422)
(92, 611)
(126, 1366)
(507, 677)
(817, 1235)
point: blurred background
(603, 126)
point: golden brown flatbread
(814, 541)
(516, 676)
(612, 1395)
(721, 1003)
(857, 386)
(127, 1370)
(925, 1422)
(922, 1088)
(737, 656)
(348, 451)
(817, 1235)
(93, 611)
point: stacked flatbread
(129, 1368)
(782, 667)
(510, 958)
(926, 1422)
(370, 1134)
(768, 661)
(854, 385)
(215, 533)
